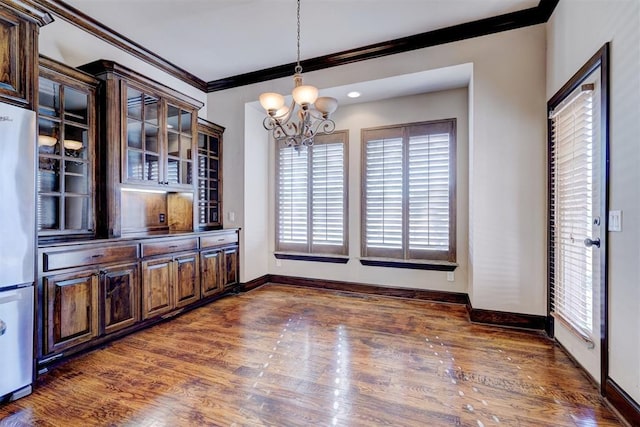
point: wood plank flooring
(287, 356)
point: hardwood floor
(287, 356)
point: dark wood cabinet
(211, 269)
(147, 141)
(19, 28)
(230, 263)
(209, 181)
(157, 295)
(71, 315)
(187, 279)
(66, 135)
(119, 290)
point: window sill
(410, 264)
(335, 259)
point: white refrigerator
(17, 249)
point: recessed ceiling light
(353, 94)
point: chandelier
(296, 125)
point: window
(408, 201)
(311, 193)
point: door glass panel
(213, 168)
(202, 143)
(185, 122)
(173, 116)
(173, 171)
(134, 165)
(151, 110)
(48, 175)
(75, 213)
(185, 147)
(213, 213)
(76, 105)
(186, 173)
(49, 98)
(75, 142)
(151, 168)
(75, 179)
(48, 136)
(151, 138)
(134, 134)
(213, 146)
(173, 144)
(134, 103)
(48, 212)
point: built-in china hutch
(129, 207)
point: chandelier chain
(298, 68)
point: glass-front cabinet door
(142, 134)
(209, 182)
(179, 143)
(65, 147)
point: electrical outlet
(232, 216)
(450, 276)
(278, 263)
(162, 218)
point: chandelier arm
(326, 127)
(283, 119)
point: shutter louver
(328, 194)
(429, 193)
(572, 212)
(384, 196)
(292, 196)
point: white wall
(508, 161)
(72, 46)
(432, 106)
(576, 31)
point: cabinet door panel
(230, 266)
(120, 290)
(156, 287)
(211, 279)
(187, 279)
(72, 309)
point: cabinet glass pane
(75, 178)
(213, 168)
(49, 98)
(173, 116)
(186, 169)
(134, 103)
(151, 138)
(75, 142)
(203, 143)
(76, 105)
(173, 171)
(134, 134)
(75, 213)
(173, 144)
(48, 136)
(134, 165)
(213, 146)
(48, 212)
(48, 175)
(185, 147)
(151, 168)
(185, 122)
(213, 213)
(151, 110)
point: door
(230, 266)
(120, 290)
(577, 221)
(156, 287)
(210, 279)
(187, 279)
(72, 309)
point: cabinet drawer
(88, 256)
(169, 246)
(218, 240)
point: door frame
(600, 59)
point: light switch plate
(450, 276)
(231, 216)
(615, 221)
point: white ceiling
(215, 39)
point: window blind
(572, 210)
(312, 197)
(408, 183)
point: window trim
(406, 259)
(307, 249)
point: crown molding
(510, 21)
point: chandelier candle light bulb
(311, 112)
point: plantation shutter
(328, 197)
(383, 193)
(292, 192)
(409, 191)
(572, 210)
(312, 196)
